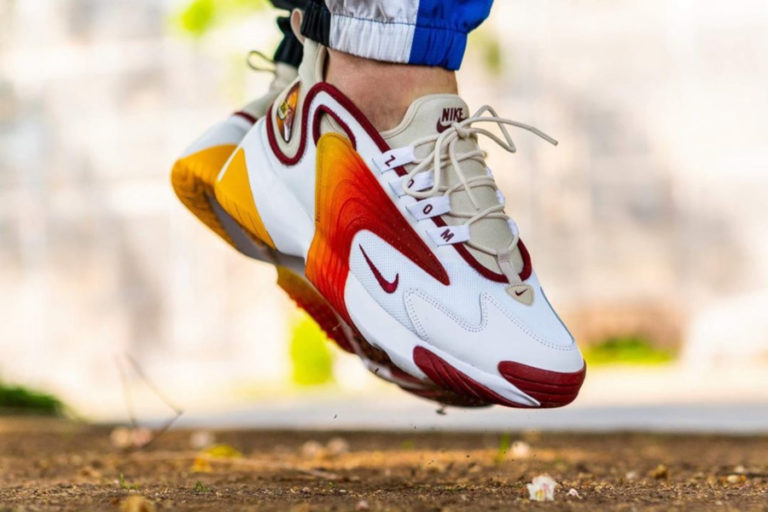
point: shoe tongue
(312, 63)
(427, 115)
(431, 115)
(284, 75)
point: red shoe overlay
(316, 132)
(551, 389)
(245, 115)
(348, 200)
(444, 375)
(321, 111)
(310, 301)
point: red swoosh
(387, 286)
(442, 127)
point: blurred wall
(655, 202)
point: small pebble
(574, 493)
(661, 472)
(137, 504)
(120, 437)
(311, 449)
(123, 437)
(337, 446)
(141, 436)
(520, 450)
(201, 439)
(542, 488)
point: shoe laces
(444, 152)
(258, 61)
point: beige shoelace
(444, 152)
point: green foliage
(311, 358)
(504, 443)
(201, 488)
(633, 350)
(124, 484)
(21, 400)
(198, 17)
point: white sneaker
(404, 234)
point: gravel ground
(53, 465)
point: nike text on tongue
(449, 116)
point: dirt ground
(47, 465)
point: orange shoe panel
(192, 179)
(233, 191)
(349, 199)
(307, 298)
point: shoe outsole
(445, 375)
(550, 389)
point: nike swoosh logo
(440, 127)
(519, 293)
(387, 286)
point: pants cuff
(389, 41)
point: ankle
(382, 90)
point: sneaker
(193, 177)
(404, 234)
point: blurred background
(648, 223)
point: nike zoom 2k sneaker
(404, 234)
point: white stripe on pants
(374, 29)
